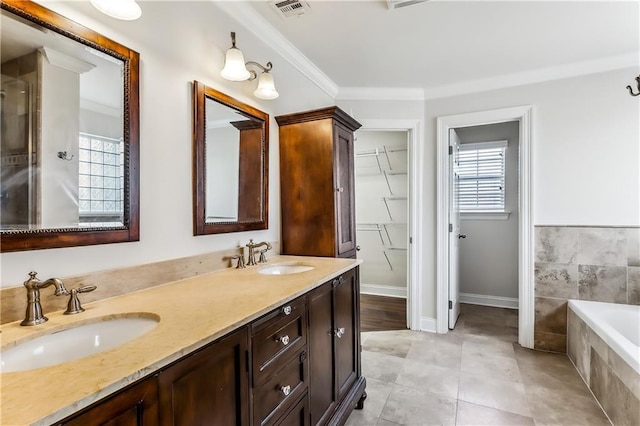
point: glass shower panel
(17, 155)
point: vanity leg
(360, 404)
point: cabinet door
(321, 378)
(209, 387)
(346, 333)
(345, 196)
(134, 406)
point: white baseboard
(428, 324)
(383, 290)
(484, 300)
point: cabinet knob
(286, 390)
(284, 340)
(286, 310)
(340, 189)
(339, 332)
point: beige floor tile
(390, 344)
(430, 378)
(484, 390)
(564, 408)
(443, 353)
(408, 406)
(376, 365)
(498, 367)
(497, 381)
(475, 415)
(483, 345)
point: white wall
(586, 158)
(178, 42)
(489, 253)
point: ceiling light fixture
(126, 10)
(235, 69)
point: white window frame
(493, 213)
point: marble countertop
(193, 312)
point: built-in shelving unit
(381, 209)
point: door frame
(523, 115)
(414, 129)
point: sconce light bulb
(126, 10)
(234, 67)
(266, 87)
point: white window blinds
(481, 176)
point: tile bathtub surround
(587, 263)
(116, 282)
(613, 382)
(474, 375)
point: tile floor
(475, 375)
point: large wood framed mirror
(230, 164)
(70, 130)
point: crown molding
(250, 19)
(575, 69)
(381, 93)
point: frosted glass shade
(266, 87)
(234, 67)
(127, 10)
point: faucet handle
(263, 257)
(240, 258)
(74, 306)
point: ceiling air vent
(289, 8)
(397, 4)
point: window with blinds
(481, 176)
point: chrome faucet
(252, 255)
(33, 314)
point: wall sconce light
(235, 69)
(127, 10)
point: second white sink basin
(74, 343)
(284, 269)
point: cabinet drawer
(298, 415)
(288, 310)
(275, 397)
(279, 340)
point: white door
(454, 230)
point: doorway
(385, 222)
(522, 115)
(485, 214)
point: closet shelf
(376, 152)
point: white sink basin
(74, 343)
(284, 269)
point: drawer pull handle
(339, 332)
(284, 340)
(286, 310)
(286, 390)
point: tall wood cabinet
(317, 183)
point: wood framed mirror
(230, 164)
(70, 133)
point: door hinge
(450, 304)
(451, 227)
(410, 240)
(450, 150)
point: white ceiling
(441, 44)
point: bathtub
(603, 342)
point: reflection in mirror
(68, 124)
(230, 157)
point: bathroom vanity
(232, 347)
